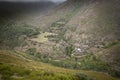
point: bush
(91, 62)
(7, 71)
(65, 64)
(69, 50)
(111, 44)
(31, 51)
(80, 76)
(114, 73)
(48, 73)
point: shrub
(80, 76)
(68, 50)
(31, 51)
(111, 44)
(91, 62)
(48, 73)
(114, 73)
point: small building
(77, 52)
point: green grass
(86, 62)
(41, 38)
(11, 71)
(8, 71)
(20, 66)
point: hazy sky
(34, 0)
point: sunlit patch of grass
(41, 38)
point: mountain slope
(82, 28)
(81, 34)
(97, 27)
(20, 66)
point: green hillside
(20, 66)
(81, 37)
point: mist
(33, 0)
(13, 8)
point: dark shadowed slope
(15, 8)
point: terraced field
(41, 38)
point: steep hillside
(78, 34)
(11, 9)
(19, 66)
(12, 16)
(97, 28)
(82, 28)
